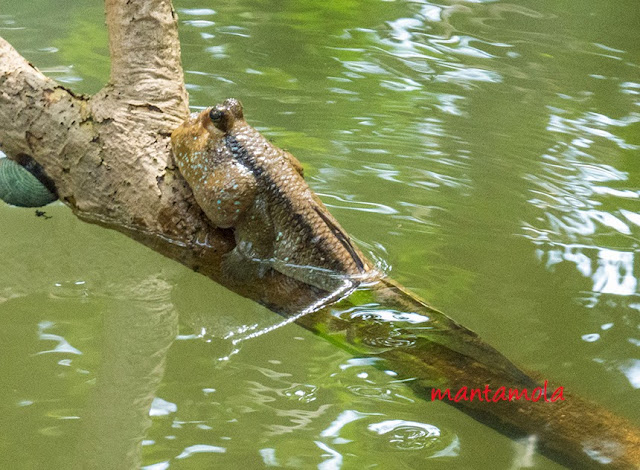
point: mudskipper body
(244, 182)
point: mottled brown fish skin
(242, 181)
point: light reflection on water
(409, 81)
(423, 125)
(585, 202)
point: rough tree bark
(109, 156)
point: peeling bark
(109, 156)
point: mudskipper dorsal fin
(339, 233)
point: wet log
(109, 158)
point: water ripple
(199, 449)
(406, 435)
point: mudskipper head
(223, 116)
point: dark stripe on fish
(243, 156)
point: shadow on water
(477, 121)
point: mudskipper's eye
(216, 116)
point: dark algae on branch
(430, 351)
(109, 158)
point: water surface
(487, 151)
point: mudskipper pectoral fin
(240, 269)
(226, 193)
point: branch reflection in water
(139, 327)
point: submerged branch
(440, 354)
(109, 159)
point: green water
(486, 152)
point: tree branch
(40, 118)
(110, 159)
(109, 156)
(145, 52)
